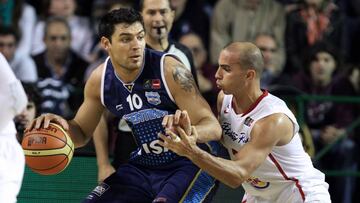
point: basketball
(48, 151)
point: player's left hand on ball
(182, 144)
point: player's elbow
(235, 182)
(216, 132)
(237, 179)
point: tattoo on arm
(184, 78)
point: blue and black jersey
(142, 103)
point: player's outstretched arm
(100, 137)
(276, 129)
(87, 117)
(187, 97)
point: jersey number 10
(134, 102)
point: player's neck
(126, 75)
(156, 44)
(242, 103)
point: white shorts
(318, 194)
(12, 163)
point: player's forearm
(208, 129)
(226, 171)
(78, 136)
(100, 138)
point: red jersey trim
(286, 177)
(264, 94)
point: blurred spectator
(243, 20)
(272, 75)
(61, 71)
(22, 17)
(327, 120)
(205, 71)
(81, 32)
(313, 21)
(352, 23)
(158, 21)
(184, 21)
(22, 64)
(31, 111)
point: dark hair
(8, 30)
(56, 19)
(321, 47)
(33, 94)
(141, 5)
(122, 15)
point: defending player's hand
(180, 118)
(44, 120)
(182, 144)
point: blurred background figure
(81, 32)
(204, 70)
(327, 119)
(22, 64)
(313, 21)
(60, 70)
(22, 17)
(185, 22)
(30, 112)
(273, 73)
(243, 20)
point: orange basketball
(48, 151)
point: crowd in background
(309, 47)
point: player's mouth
(218, 85)
(136, 57)
(159, 29)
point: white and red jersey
(287, 166)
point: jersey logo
(152, 84)
(100, 189)
(227, 109)
(129, 87)
(248, 121)
(235, 137)
(257, 183)
(119, 107)
(153, 98)
(156, 84)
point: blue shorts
(180, 181)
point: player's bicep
(183, 88)
(264, 136)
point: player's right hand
(105, 171)
(44, 120)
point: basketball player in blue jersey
(158, 19)
(141, 86)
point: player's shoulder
(96, 76)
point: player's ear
(250, 74)
(105, 43)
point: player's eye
(125, 39)
(140, 37)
